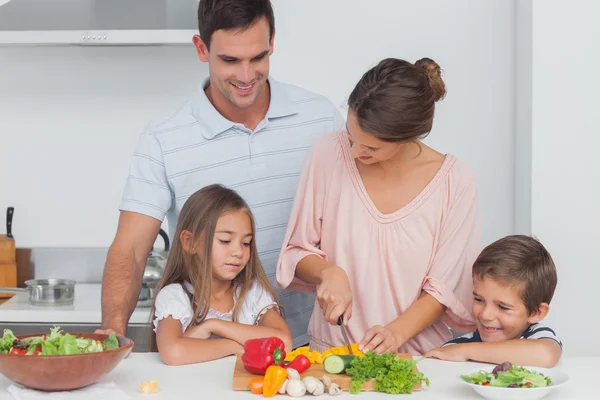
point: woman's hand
(455, 352)
(200, 331)
(379, 339)
(334, 294)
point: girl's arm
(270, 324)
(175, 349)
(543, 353)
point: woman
(384, 228)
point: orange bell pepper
(274, 378)
(256, 385)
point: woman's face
(366, 147)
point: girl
(214, 294)
(384, 228)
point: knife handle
(340, 320)
(9, 217)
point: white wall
(565, 193)
(70, 116)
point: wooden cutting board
(242, 378)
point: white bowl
(558, 378)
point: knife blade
(9, 217)
(340, 322)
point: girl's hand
(454, 352)
(200, 331)
(379, 339)
(334, 294)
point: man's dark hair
(232, 14)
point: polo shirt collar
(213, 123)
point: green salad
(56, 343)
(508, 376)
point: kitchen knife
(340, 322)
(9, 217)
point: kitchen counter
(213, 380)
(84, 310)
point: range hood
(97, 22)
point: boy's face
(499, 312)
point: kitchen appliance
(155, 266)
(98, 22)
(47, 292)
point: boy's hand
(454, 352)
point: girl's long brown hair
(199, 216)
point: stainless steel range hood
(97, 22)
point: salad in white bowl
(507, 381)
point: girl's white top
(173, 301)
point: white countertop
(213, 380)
(85, 309)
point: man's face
(238, 62)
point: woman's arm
(543, 353)
(418, 316)
(333, 287)
(270, 324)
(176, 349)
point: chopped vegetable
(392, 374)
(314, 386)
(274, 378)
(295, 386)
(256, 385)
(56, 343)
(316, 357)
(337, 364)
(301, 363)
(332, 388)
(260, 354)
(508, 375)
(149, 387)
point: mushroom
(295, 386)
(314, 386)
(332, 388)
(283, 387)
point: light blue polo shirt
(196, 146)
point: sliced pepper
(301, 363)
(256, 385)
(260, 354)
(274, 378)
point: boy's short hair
(520, 261)
(214, 15)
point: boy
(513, 282)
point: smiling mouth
(243, 88)
(489, 329)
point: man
(244, 130)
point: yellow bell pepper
(274, 378)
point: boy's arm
(543, 353)
(175, 349)
(271, 324)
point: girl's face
(231, 245)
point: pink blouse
(428, 245)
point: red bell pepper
(300, 363)
(260, 354)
